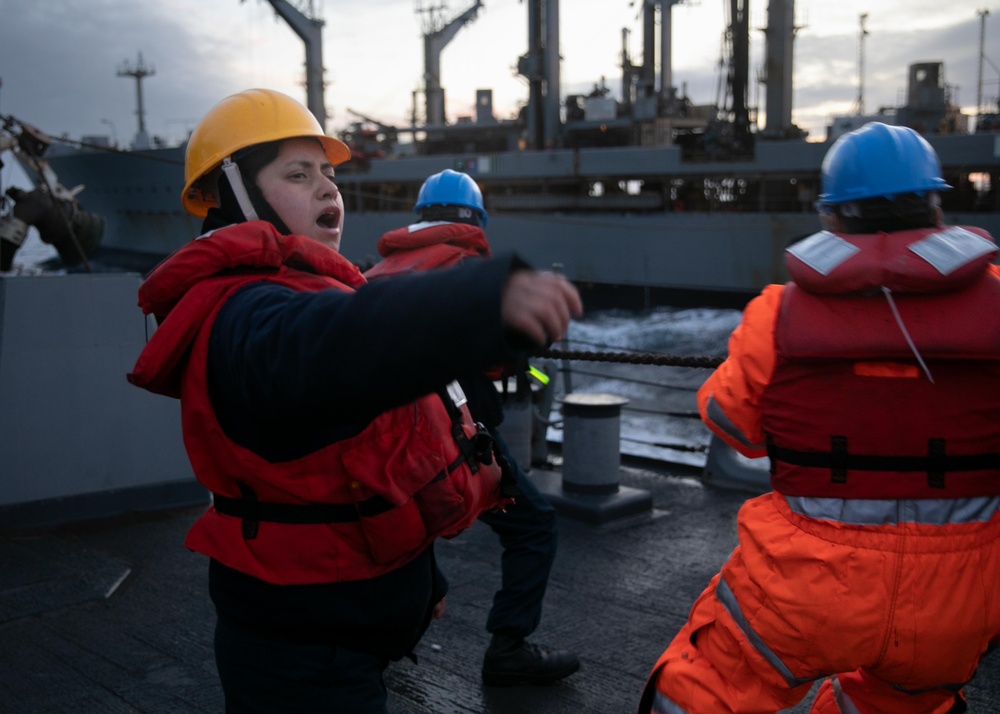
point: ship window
(980, 181)
(596, 189)
(632, 187)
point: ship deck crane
(436, 38)
(309, 28)
(376, 122)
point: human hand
(438, 612)
(539, 305)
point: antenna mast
(140, 71)
(982, 38)
(859, 107)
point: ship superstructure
(644, 193)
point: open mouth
(330, 219)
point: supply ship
(640, 193)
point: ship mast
(310, 30)
(139, 72)
(666, 51)
(739, 72)
(859, 105)
(982, 38)
(780, 34)
(540, 66)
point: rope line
(650, 358)
(633, 380)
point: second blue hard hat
(451, 188)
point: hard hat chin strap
(232, 172)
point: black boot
(513, 660)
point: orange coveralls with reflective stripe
(900, 613)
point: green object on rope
(538, 374)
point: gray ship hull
(542, 205)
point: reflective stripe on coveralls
(884, 512)
(834, 697)
(719, 418)
(663, 705)
(843, 701)
(725, 596)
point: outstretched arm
(539, 305)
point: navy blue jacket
(290, 372)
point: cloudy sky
(59, 59)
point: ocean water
(660, 419)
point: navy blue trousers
(528, 536)
(263, 676)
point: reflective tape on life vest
(886, 512)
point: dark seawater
(660, 420)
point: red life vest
(352, 510)
(850, 411)
(426, 246)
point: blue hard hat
(451, 188)
(879, 160)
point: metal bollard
(588, 489)
(591, 443)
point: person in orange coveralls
(871, 380)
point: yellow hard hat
(255, 116)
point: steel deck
(617, 594)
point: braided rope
(651, 358)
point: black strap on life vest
(839, 460)
(253, 511)
(481, 449)
(475, 451)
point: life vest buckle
(482, 444)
